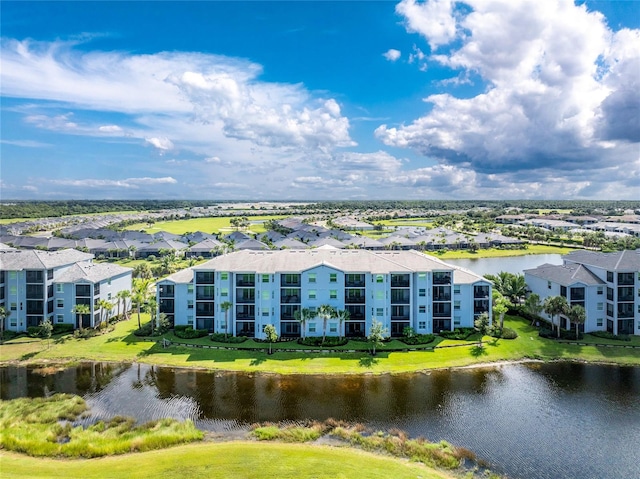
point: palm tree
(517, 288)
(80, 310)
(124, 296)
(500, 306)
(226, 306)
(105, 307)
(533, 306)
(302, 316)
(555, 305)
(342, 315)
(577, 315)
(326, 312)
(140, 294)
(152, 308)
(4, 314)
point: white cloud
(163, 144)
(26, 143)
(110, 129)
(124, 183)
(392, 54)
(561, 88)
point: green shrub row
(220, 338)
(187, 332)
(608, 335)
(418, 339)
(329, 341)
(564, 334)
(458, 333)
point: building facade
(607, 285)
(247, 290)
(35, 285)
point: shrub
(508, 333)
(608, 335)
(564, 334)
(7, 335)
(190, 333)
(418, 339)
(34, 331)
(458, 333)
(329, 341)
(60, 328)
(219, 338)
(86, 333)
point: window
(265, 295)
(600, 306)
(456, 305)
(422, 324)
(12, 275)
(600, 322)
(379, 311)
(190, 288)
(422, 275)
(379, 278)
(422, 309)
(224, 292)
(222, 325)
(60, 304)
(456, 320)
(312, 294)
(49, 274)
(13, 290)
(109, 282)
(312, 327)
(190, 320)
(59, 318)
(109, 296)
(265, 278)
(600, 290)
(13, 306)
(456, 289)
(609, 276)
(333, 277)
(312, 277)
(60, 288)
(333, 327)
(265, 313)
(422, 292)
(224, 276)
(333, 294)
(379, 294)
(190, 304)
(548, 284)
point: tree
(302, 316)
(481, 325)
(577, 315)
(143, 270)
(500, 306)
(271, 334)
(533, 306)
(152, 309)
(123, 297)
(80, 310)
(46, 328)
(342, 315)
(326, 312)
(140, 294)
(226, 306)
(376, 334)
(105, 307)
(516, 288)
(4, 314)
(555, 305)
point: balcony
(356, 313)
(442, 277)
(35, 277)
(399, 280)
(35, 291)
(287, 313)
(625, 295)
(245, 296)
(355, 296)
(625, 311)
(625, 279)
(354, 281)
(441, 293)
(481, 292)
(246, 280)
(400, 296)
(204, 292)
(167, 306)
(291, 295)
(204, 277)
(204, 309)
(290, 280)
(166, 290)
(442, 297)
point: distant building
(398, 288)
(40, 284)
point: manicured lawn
(121, 345)
(206, 225)
(247, 460)
(497, 252)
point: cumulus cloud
(162, 144)
(392, 54)
(560, 87)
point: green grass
(33, 426)
(246, 460)
(498, 252)
(121, 345)
(206, 225)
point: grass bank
(247, 460)
(121, 345)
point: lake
(511, 264)
(535, 420)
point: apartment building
(249, 289)
(38, 284)
(607, 285)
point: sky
(328, 100)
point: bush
(508, 333)
(564, 334)
(34, 332)
(219, 338)
(62, 328)
(458, 333)
(329, 341)
(189, 333)
(608, 335)
(7, 335)
(85, 333)
(418, 339)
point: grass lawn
(247, 460)
(206, 225)
(498, 252)
(121, 345)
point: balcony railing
(354, 283)
(442, 297)
(441, 278)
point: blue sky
(320, 100)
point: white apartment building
(38, 284)
(398, 288)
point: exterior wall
(64, 301)
(109, 288)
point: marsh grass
(44, 427)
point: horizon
(320, 101)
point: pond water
(559, 420)
(511, 264)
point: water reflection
(558, 420)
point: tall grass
(43, 427)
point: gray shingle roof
(36, 259)
(91, 272)
(566, 274)
(627, 260)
